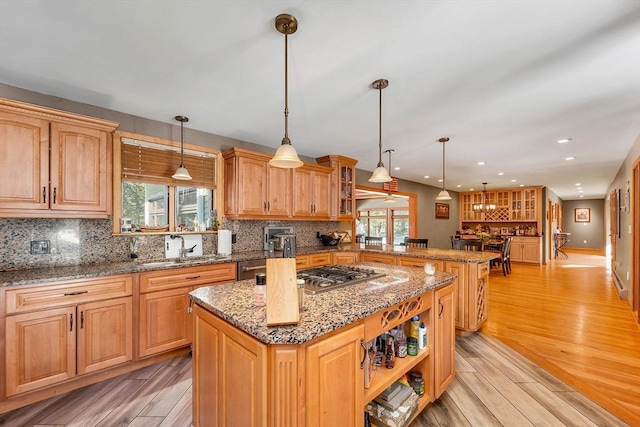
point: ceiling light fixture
(389, 198)
(182, 173)
(380, 174)
(443, 194)
(562, 141)
(286, 156)
(485, 206)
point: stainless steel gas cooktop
(322, 279)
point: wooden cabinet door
(516, 250)
(206, 368)
(321, 195)
(531, 251)
(444, 338)
(303, 199)
(460, 291)
(40, 349)
(105, 334)
(381, 258)
(165, 323)
(335, 382)
(24, 162)
(279, 192)
(251, 187)
(80, 166)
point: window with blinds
(149, 162)
(155, 202)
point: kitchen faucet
(183, 251)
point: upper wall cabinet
(53, 164)
(255, 190)
(343, 186)
(519, 205)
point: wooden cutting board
(282, 292)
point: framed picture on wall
(442, 211)
(582, 215)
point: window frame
(218, 189)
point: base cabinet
(344, 257)
(78, 340)
(526, 249)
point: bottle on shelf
(422, 336)
(389, 354)
(415, 326)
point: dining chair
(373, 241)
(467, 244)
(505, 257)
(416, 242)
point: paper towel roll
(224, 242)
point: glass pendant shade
(389, 199)
(443, 195)
(286, 157)
(380, 174)
(182, 173)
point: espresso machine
(279, 241)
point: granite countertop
(322, 312)
(83, 271)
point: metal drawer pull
(441, 309)
(54, 194)
(44, 194)
(71, 322)
(364, 355)
(192, 277)
(82, 320)
(75, 293)
(257, 267)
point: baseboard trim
(589, 251)
(622, 291)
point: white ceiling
(503, 79)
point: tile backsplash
(89, 241)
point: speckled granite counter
(53, 274)
(431, 253)
(323, 312)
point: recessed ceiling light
(500, 173)
(440, 180)
(471, 189)
(580, 191)
(570, 158)
(396, 168)
(578, 188)
(482, 163)
(581, 196)
(521, 185)
(563, 140)
(578, 184)
(458, 185)
(426, 176)
(513, 180)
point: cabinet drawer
(23, 299)
(302, 262)
(419, 262)
(383, 259)
(188, 276)
(317, 260)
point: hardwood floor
(566, 317)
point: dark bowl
(328, 240)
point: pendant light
(286, 156)
(485, 206)
(182, 173)
(389, 198)
(380, 174)
(444, 194)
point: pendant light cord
(286, 140)
(182, 144)
(443, 173)
(380, 164)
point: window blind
(155, 163)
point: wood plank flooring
(568, 321)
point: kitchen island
(310, 374)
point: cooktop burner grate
(321, 279)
